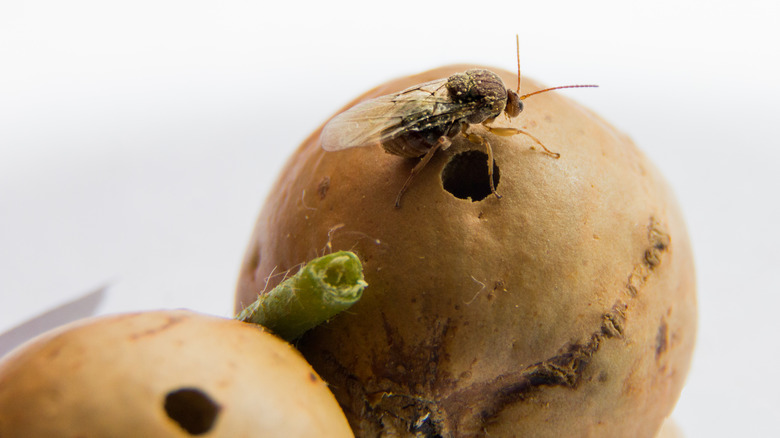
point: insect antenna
(555, 88)
(517, 46)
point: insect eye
(514, 106)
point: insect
(425, 118)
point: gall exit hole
(466, 176)
(192, 409)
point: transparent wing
(372, 121)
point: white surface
(138, 140)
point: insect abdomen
(411, 144)
(415, 143)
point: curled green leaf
(318, 291)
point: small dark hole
(466, 176)
(192, 409)
(426, 428)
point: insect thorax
(482, 90)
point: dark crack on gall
(170, 321)
(613, 322)
(565, 369)
(661, 340)
(659, 243)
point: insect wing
(374, 120)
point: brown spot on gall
(323, 186)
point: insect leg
(508, 132)
(442, 143)
(474, 138)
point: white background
(138, 140)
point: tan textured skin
(565, 308)
(108, 377)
